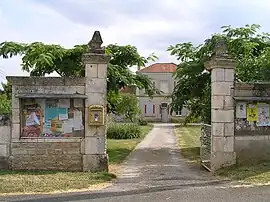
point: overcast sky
(150, 25)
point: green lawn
(251, 174)
(49, 181)
(189, 143)
(118, 150)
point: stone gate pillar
(94, 146)
(222, 68)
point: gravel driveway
(156, 163)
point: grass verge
(189, 143)
(258, 173)
(118, 150)
(49, 181)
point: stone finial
(95, 44)
(221, 48)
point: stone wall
(46, 155)
(252, 142)
(4, 146)
(252, 148)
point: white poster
(68, 125)
(32, 119)
(241, 110)
(77, 121)
(64, 103)
(263, 114)
(63, 116)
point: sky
(150, 25)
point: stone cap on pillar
(95, 43)
(220, 57)
(96, 53)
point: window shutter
(145, 108)
(154, 109)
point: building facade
(158, 107)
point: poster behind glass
(52, 118)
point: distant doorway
(164, 112)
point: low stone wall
(4, 146)
(252, 149)
(46, 155)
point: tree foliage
(247, 45)
(7, 90)
(5, 105)
(40, 59)
(128, 106)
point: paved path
(156, 172)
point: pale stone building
(157, 108)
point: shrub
(128, 107)
(143, 122)
(123, 131)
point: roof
(128, 89)
(160, 68)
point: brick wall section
(46, 156)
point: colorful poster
(263, 115)
(31, 119)
(241, 110)
(252, 112)
(63, 113)
(51, 113)
(47, 124)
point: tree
(7, 90)
(128, 106)
(5, 105)
(247, 45)
(40, 59)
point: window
(178, 113)
(52, 117)
(149, 109)
(164, 86)
(145, 109)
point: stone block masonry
(64, 156)
(4, 146)
(222, 68)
